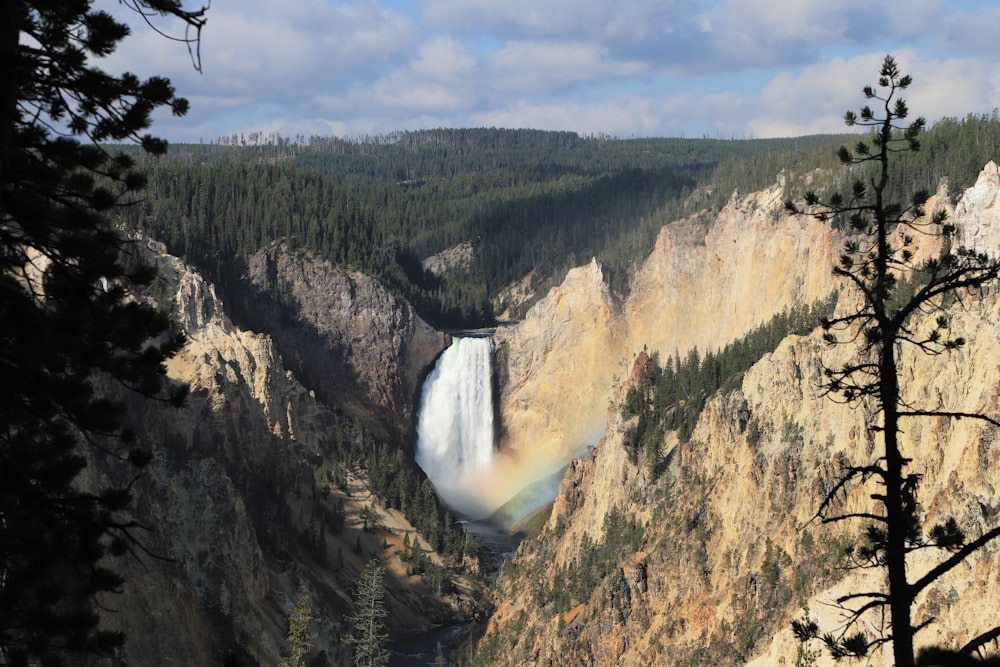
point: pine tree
(300, 637)
(895, 313)
(69, 322)
(369, 634)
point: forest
(671, 394)
(532, 203)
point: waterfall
(455, 423)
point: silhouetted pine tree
(68, 319)
(877, 256)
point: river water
(423, 650)
(455, 440)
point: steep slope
(709, 563)
(251, 500)
(707, 282)
(342, 334)
(553, 369)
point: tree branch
(956, 559)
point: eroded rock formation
(731, 550)
(706, 283)
(342, 334)
(239, 495)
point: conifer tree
(879, 254)
(300, 637)
(369, 635)
(69, 320)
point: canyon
(731, 549)
(239, 487)
(708, 281)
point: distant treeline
(953, 151)
(531, 202)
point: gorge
(730, 548)
(314, 390)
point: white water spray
(455, 425)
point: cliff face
(553, 367)
(245, 514)
(709, 563)
(706, 283)
(342, 334)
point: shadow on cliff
(319, 362)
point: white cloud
(954, 87)
(968, 30)
(445, 60)
(625, 29)
(814, 100)
(441, 78)
(518, 19)
(625, 115)
(263, 59)
(538, 67)
(629, 67)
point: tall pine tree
(877, 260)
(69, 321)
(369, 635)
(300, 635)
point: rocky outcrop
(343, 335)
(706, 283)
(239, 494)
(457, 258)
(981, 204)
(554, 364)
(730, 549)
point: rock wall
(706, 283)
(237, 494)
(554, 368)
(731, 550)
(342, 334)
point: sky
(625, 68)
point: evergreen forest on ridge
(532, 203)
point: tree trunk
(897, 514)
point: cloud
(814, 100)
(727, 68)
(954, 87)
(440, 79)
(970, 32)
(626, 30)
(539, 67)
(444, 60)
(625, 116)
(259, 56)
(554, 19)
